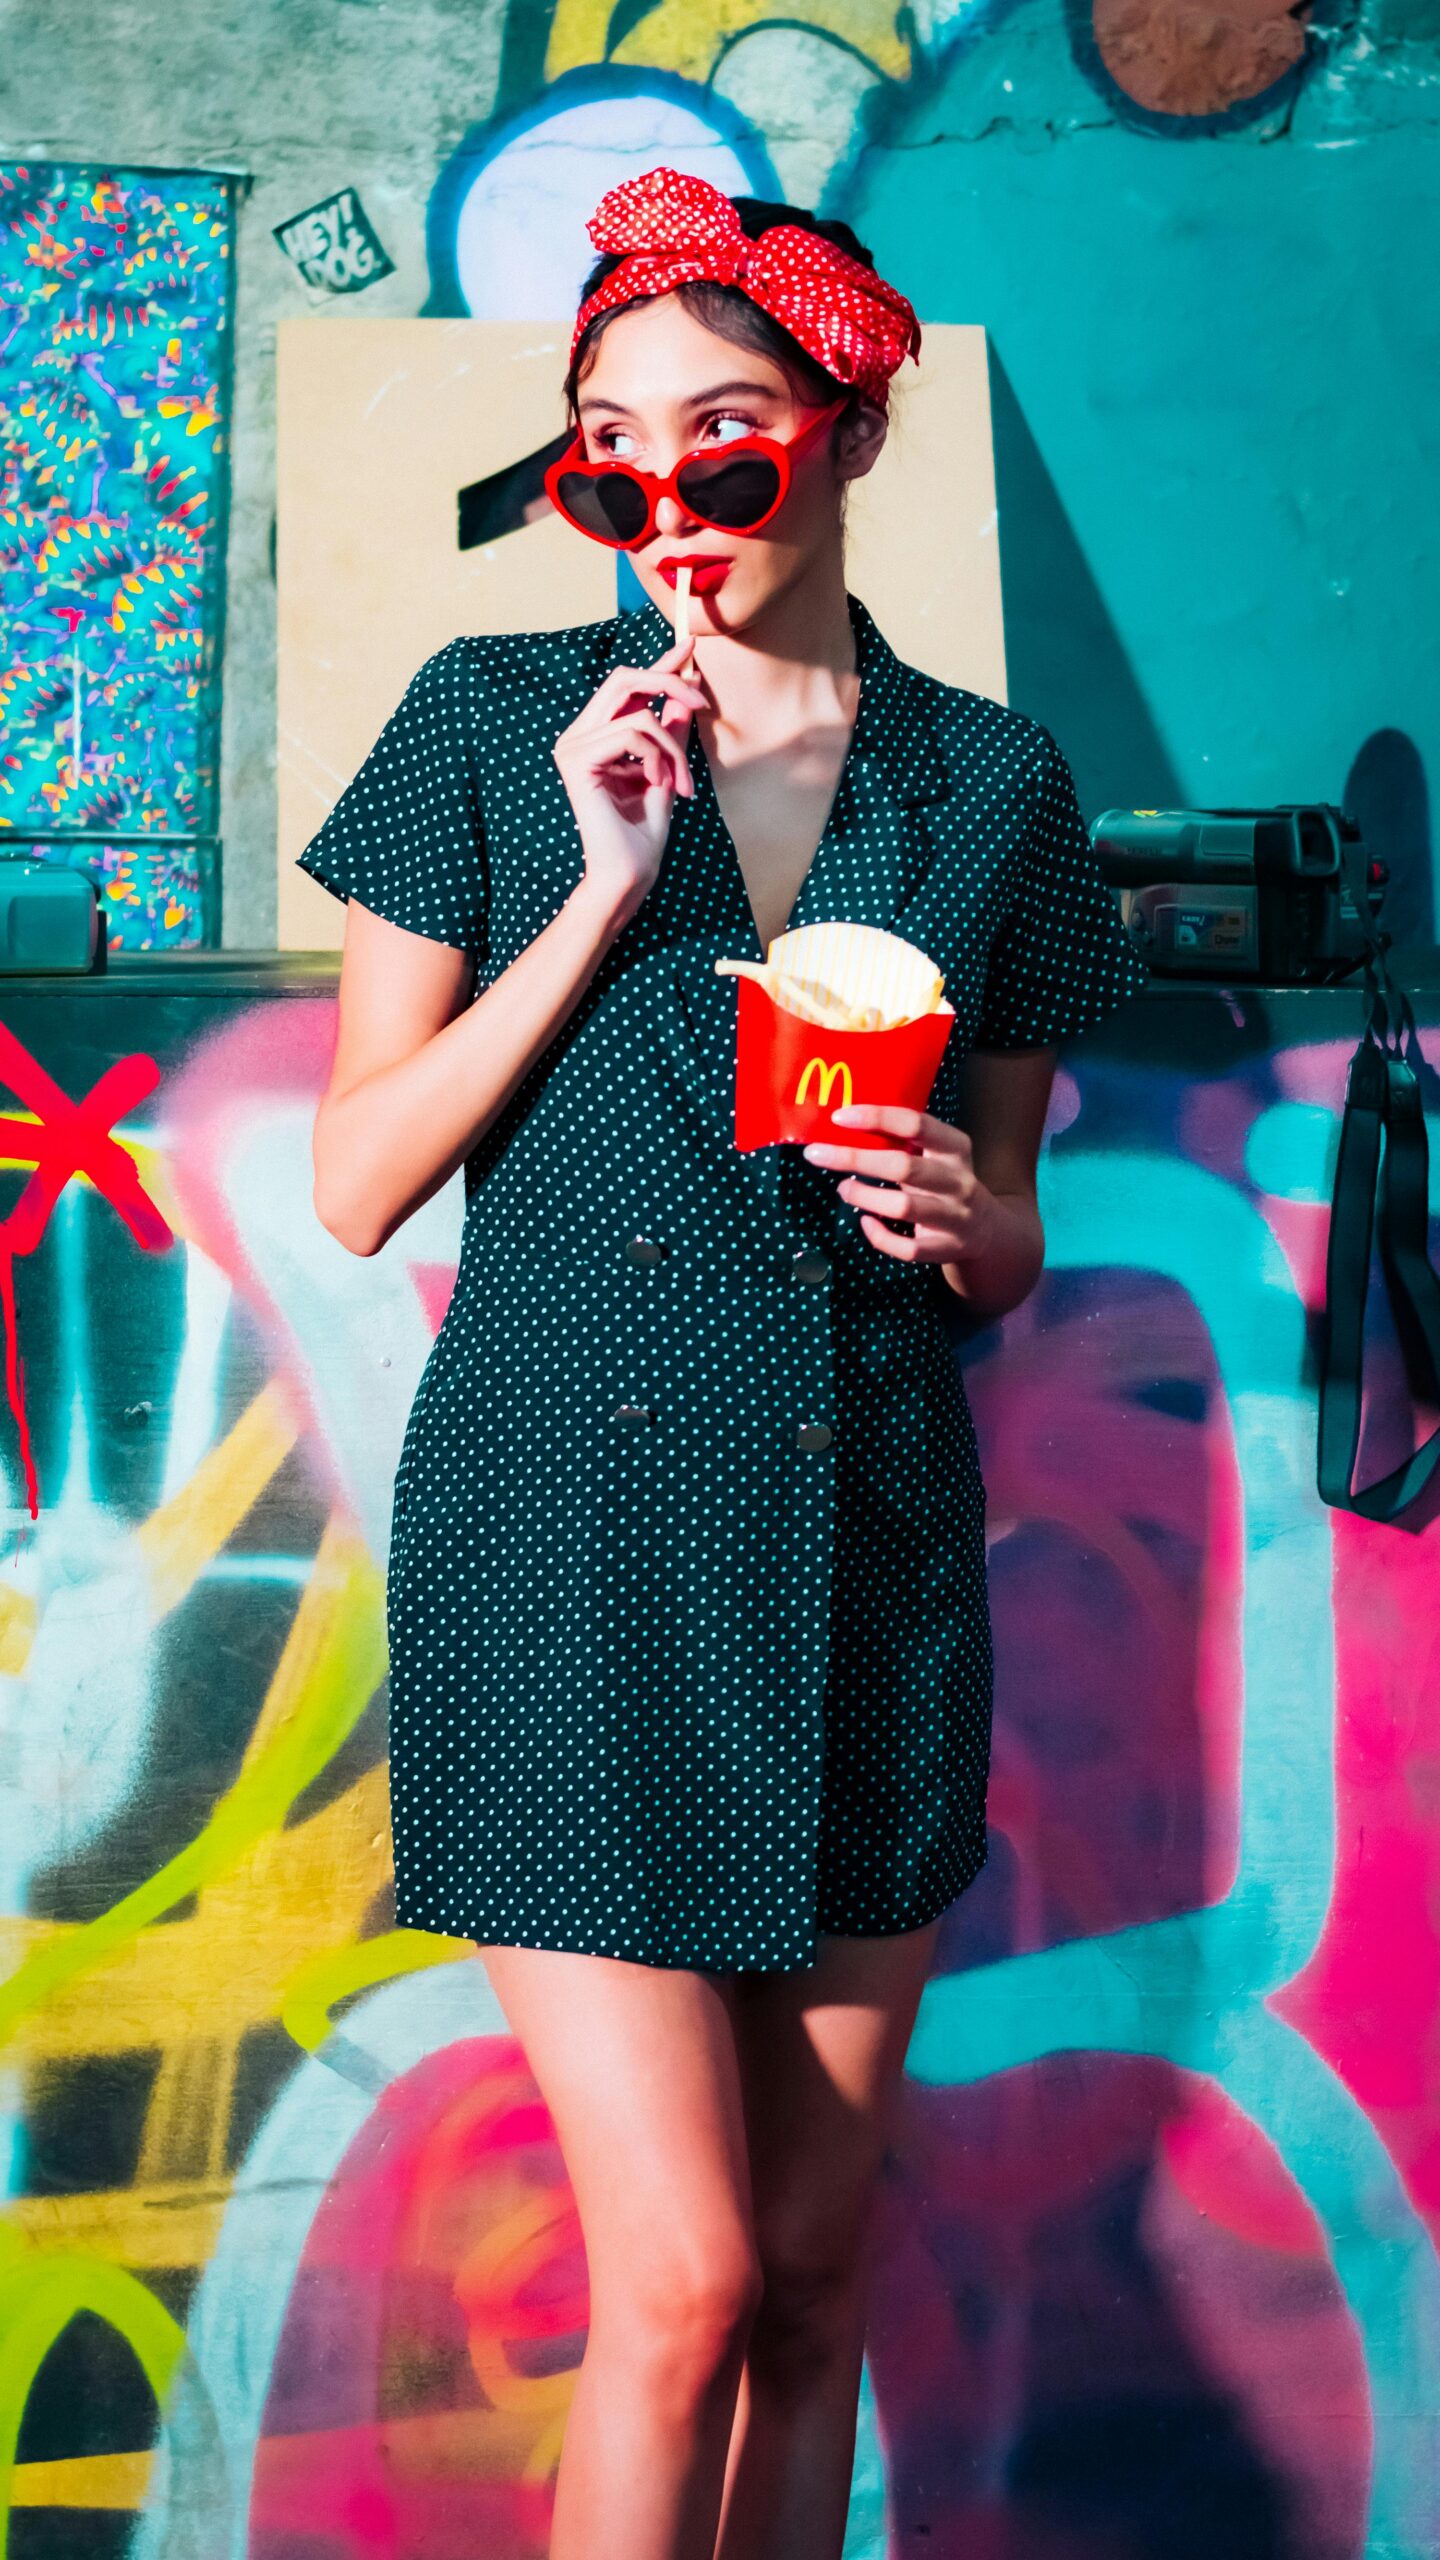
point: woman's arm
(968, 1193)
(1006, 1094)
(419, 1073)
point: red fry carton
(791, 1074)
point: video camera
(1243, 893)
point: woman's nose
(671, 517)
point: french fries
(682, 619)
(849, 977)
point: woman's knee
(811, 2296)
(680, 2314)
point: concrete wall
(1200, 242)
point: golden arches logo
(826, 1076)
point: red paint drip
(65, 1138)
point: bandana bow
(672, 230)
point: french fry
(682, 618)
(848, 977)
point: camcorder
(1268, 894)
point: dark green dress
(689, 1640)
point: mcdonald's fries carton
(837, 1013)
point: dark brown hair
(732, 314)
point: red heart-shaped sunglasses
(735, 487)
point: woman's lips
(705, 575)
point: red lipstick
(707, 570)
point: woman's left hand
(927, 1178)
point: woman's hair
(731, 313)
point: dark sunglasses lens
(730, 492)
(612, 506)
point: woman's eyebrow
(728, 391)
(702, 399)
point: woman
(690, 1655)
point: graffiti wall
(114, 319)
(288, 2265)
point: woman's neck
(794, 667)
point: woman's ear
(860, 441)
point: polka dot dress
(689, 1638)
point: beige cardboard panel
(922, 538)
(382, 422)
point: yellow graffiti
(678, 36)
(308, 2000)
(180, 1540)
(332, 1661)
(275, 1907)
(41, 2291)
(161, 1993)
(114, 2480)
(124, 1983)
(503, 2280)
(826, 1076)
(494, 2272)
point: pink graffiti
(447, 2255)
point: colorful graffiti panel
(115, 292)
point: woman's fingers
(677, 653)
(625, 685)
(899, 1248)
(675, 719)
(898, 1200)
(916, 1129)
(884, 1164)
(591, 743)
(647, 725)
(642, 751)
(644, 738)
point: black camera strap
(1382, 1094)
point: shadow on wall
(1387, 794)
(1067, 665)
(1064, 658)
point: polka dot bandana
(672, 230)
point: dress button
(645, 1249)
(632, 1417)
(811, 1266)
(814, 1435)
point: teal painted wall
(1218, 384)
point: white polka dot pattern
(676, 1675)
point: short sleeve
(1062, 959)
(405, 836)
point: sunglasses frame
(655, 485)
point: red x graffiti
(65, 1138)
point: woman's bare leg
(821, 2057)
(637, 2066)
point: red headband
(673, 230)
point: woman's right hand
(622, 765)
